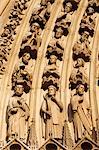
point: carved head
(28, 53)
(92, 2)
(7, 31)
(80, 89)
(51, 90)
(44, 2)
(35, 27)
(84, 36)
(25, 58)
(19, 89)
(80, 63)
(53, 59)
(90, 10)
(58, 32)
(77, 47)
(68, 7)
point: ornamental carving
(10, 30)
(49, 75)
(80, 109)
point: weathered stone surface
(49, 74)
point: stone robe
(17, 117)
(81, 119)
(51, 125)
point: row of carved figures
(52, 109)
(51, 112)
(82, 119)
(18, 112)
(9, 32)
(78, 82)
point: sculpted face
(7, 31)
(58, 33)
(90, 10)
(85, 36)
(68, 7)
(53, 59)
(19, 90)
(81, 90)
(43, 2)
(25, 58)
(80, 62)
(51, 90)
(36, 27)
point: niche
(15, 147)
(86, 146)
(51, 146)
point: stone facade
(49, 74)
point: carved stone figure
(70, 6)
(17, 115)
(81, 119)
(92, 2)
(51, 111)
(35, 27)
(61, 28)
(55, 48)
(27, 53)
(90, 10)
(51, 67)
(20, 6)
(33, 37)
(81, 50)
(87, 24)
(51, 74)
(64, 19)
(67, 7)
(58, 32)
(25, 58)
(78, 75)
(85, 38)
(8, 34)
(21, 76)
(41, 15)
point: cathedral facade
(49, 74)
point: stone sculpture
(78, 75)
(80, 109)
(17, 115)
(21, 76)
(50, 112)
